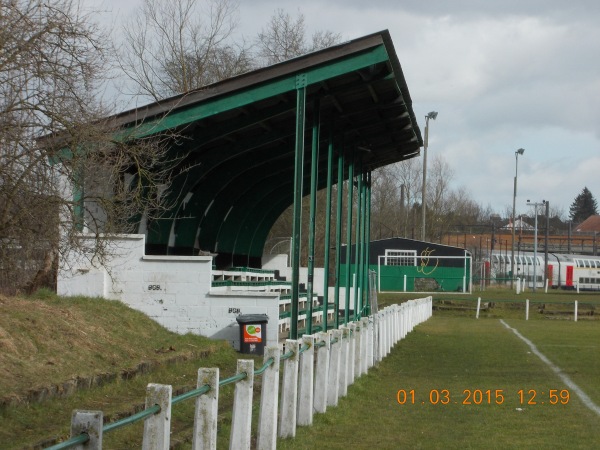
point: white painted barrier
(289, 391)
(306, 382)
(157, 433)
(303, 391)
(333, 376)
(322, 372)
(267, 419)
(241, 421)
(207, 405)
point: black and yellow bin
(253, 333)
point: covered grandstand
(253, 145)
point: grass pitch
(473, 383)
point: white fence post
(207, 410)
(478, 306)
(408, 315)
(351, 352)
(575, 316)
(429, 308)
(390, 329)
(333, 387)
(402, 320)
(267, 420)
(365, 344)
(376, 338)
(322, 375)
(382, 333)
(344, 361)
(90, 423)
(405, 319)
(358, 344)
(289, 390)
(157, 428)
(371, 355)
(306, 382)
(527, 309)
(241, 420)
(399, 324)
(396, 324)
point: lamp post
(431, 115)
(512, 252)
(535, 205)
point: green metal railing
(83, 438)
(217, 283)
(148, 412)
(249, 270)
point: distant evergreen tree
(583, 206)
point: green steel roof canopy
(240, 135)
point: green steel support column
(314, 162)
(338, 235)
(358, 243)
(368, 243)
(363, 249)
(349, 235)
(327, 227)
(361, 258)
(297, 225)
(365, 246)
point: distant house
(589, 225)
(520, 224)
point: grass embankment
(49, 345)
(450, 358)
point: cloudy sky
(503, 75)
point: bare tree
(407, 176)
(396, 201)
(172, 47)
(52, 63)
(387, 209)
(285, 37)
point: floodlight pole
(535, 206)
(512, 252)
(546, 241)
(431, 115)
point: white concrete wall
(173, 290)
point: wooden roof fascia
(179, 116)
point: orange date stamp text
(483, 397)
